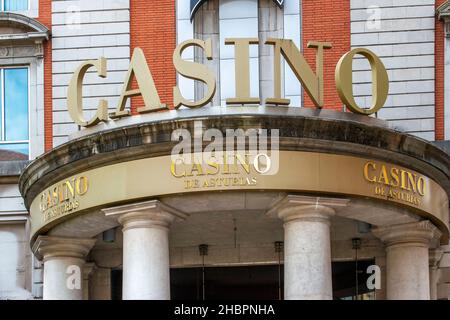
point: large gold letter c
(75, 94)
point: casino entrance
(228, 248)
(263, 282)
(136, 227)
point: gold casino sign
(312, 81)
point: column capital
(422, 232)
(48, 247)
(145, 214)
(294, 207)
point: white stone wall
(83, 30)
(15, 253)
(401, 32)
(11, 202)
(15, 270)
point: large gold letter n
(311, 82)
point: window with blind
(15, 5)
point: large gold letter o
(344, 81)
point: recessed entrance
(262, 282)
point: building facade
(357, 208)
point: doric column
(407, 270)
(443, 288)
(307, 248)
(100, 284)
(64, 259)
(434, 256)
(145, 248)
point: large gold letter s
(195, 71)
(75, 94)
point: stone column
(100, 284)
(307, 248)
(64, 259)
(87, 270)
(145, 249)
(443, 288)
(434, 256)
(407, 270)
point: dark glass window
(253, 282)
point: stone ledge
(301, 129)
(11, 170)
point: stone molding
(443, 14)
(443, 11)
(47, 247)
(148, 214)
(414, 233)
(301, 129)
(38, 32)
(295, 207)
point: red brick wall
(45, 17)
(439, 76)
(153, 29)
(330, 22)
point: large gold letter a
(146, 87)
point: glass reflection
(16, 104)
(16, 5)
(13, 151)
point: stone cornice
(39, 31)
(47, 247)
(145, 214)
(11, 170)
(301, 129)
(443, 11)
(294, 207)
(422, 232)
